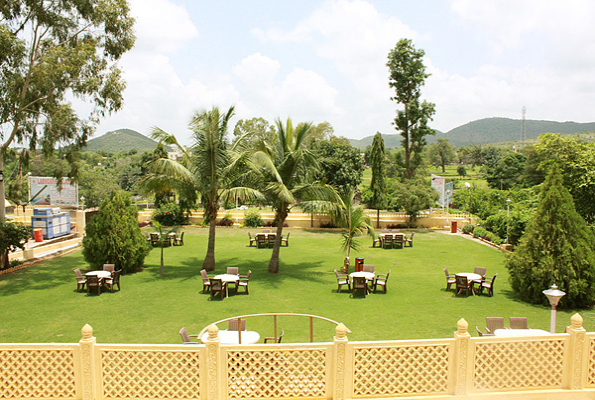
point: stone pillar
(578, 351)
(213, 362)
(87, 344)
(461, 364)
(340, 363)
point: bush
(327, 225)
(468, 229)
(112, 236)
(396, 226)
(516, 223)
(13, 236)
(480, 232)
(170, 214)
(253, 219)
(225, 221)
(273, 224)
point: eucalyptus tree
(288, 169)
(407, 76)
(346, 214)
(378, 182)
(50, 52)
(213, 168)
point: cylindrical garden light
(554, 295)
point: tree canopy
(52, 51)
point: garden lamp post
(507, 218)
(553, 295)
(84, 220)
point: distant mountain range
(489, 130)
(122, 140)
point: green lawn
(40, 304)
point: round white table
(232, 337)
(361, 274)
(226, 278)
(520, 332)
(99, 274)
(470, 276)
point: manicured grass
(40, 304)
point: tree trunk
(162, 271)
(274, 263)
(377, 218)
(2, 192)
(209, 261)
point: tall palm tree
(213, 167)
(352, 217)
(288, 168)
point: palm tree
(213, 168)
(353, 217)
(163, 238)
(288, 168)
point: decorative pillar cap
(213, 332)
(576, 321)
(87, 331)
(462, 326)
(341, 331)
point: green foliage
(516, 223)
(468, 229)
(486, 202)
(51, 52)
(225, 221)
(253, 219)
(13, 236)
(441, 153)
(377, 199)
(341, 165)
(113, 236)
(461, 171)
(97, 184)
(407, 76)
(170, 214)
(121, 140)
(412, 197)
(557, 248)
(508, 173)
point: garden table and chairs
(227, 279)
(391, 240)
(469, 278)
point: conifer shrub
(113, 236)
(557, 248)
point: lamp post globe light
(553, 295)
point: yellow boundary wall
(559, 366)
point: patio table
(226, 278)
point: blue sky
(326, 61)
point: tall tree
(288, 169)
(213, 168)
(341, 165)
(407, 76)
(49, 51)
(378, 183)
(254, 130)
(557, 248)
(441, 153)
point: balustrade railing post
(578, 351)
(87, 343)
(341, 365)
(461, 359)
(214, 380)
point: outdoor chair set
(266, 239)
(94, 281)
(393, 240)
(362, 284)
(474, 283)
(493, 323)
(218, 285)
(171, 239)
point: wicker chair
(381, 280)
(243, 282)
(234, 324)
(409, 240)
(206, 280)
(518, 323)
(461, 283)
(480, 271)
(387, 243)
(450, 279)
(233, 270)
(109, 267)
(493, 323)
(275, 339)
(285, 240)
(359, 283)
(398, 241)
(93, 284)
(488, 284)
(252, 240)
(80, 280)
(179, 241)
(271, 239)
(217, 288)
(112, 281)
(186, 337)
(377, 241)
(342, 279)
(261, 241)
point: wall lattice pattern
(389, 371)
(146, 374)
(591, 361)
(519, 365)
(276, 374)
(37, 374)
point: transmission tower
(523, 133)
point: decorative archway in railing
(274, 315)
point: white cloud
(161, 26)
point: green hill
(490, 130)
(121, 140)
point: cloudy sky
(326, 61)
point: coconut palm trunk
(274, 262)
(209, 261)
